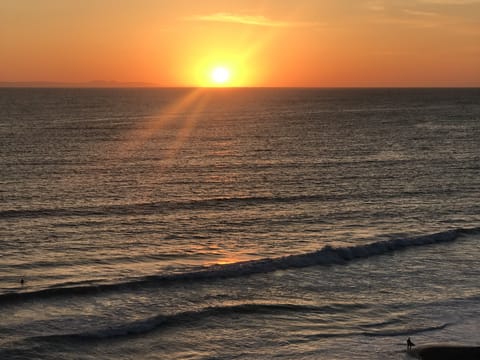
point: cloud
(451, 2)
(375, 5)
(257, 20)
(414, 22)
(420, 13)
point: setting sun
(222, 68)
(220, 75)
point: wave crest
(161, 321)
(328, 255)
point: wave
(160, 207)
(161, 321)
(384, 333)
(328, 255)
(406, 332)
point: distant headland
(88, 84)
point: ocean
(238, 223)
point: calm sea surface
(238, 223)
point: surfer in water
(409, 344)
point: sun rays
(179, 118)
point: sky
(293, 43)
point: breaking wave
(328, 255)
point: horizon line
(113, 84)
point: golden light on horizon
(221, 68)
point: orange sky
(263, 42)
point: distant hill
(89, 84)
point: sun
(220, 75)
(220, 72)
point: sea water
(238, 223)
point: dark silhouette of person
(22, 282)
(409, 344)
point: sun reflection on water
(227, 259)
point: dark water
(242, 223)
